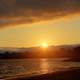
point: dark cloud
(28, 11)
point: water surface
(31, 67)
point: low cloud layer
(27, 11)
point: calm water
(31, 67)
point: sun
(44, 45)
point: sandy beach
(71, 74)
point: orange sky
(27, 23)
(65, 30)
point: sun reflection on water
(44, 66)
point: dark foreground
(72, 74)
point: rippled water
(33, 66)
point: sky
(29, 23)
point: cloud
(14, 12)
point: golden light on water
(44, 66)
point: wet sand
(71, 74)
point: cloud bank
(14, 12)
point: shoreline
(70, 74)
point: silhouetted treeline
(51, 52)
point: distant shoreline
(63, 59)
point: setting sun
(44, 45)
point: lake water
(30, 67)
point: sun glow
(44, 45)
